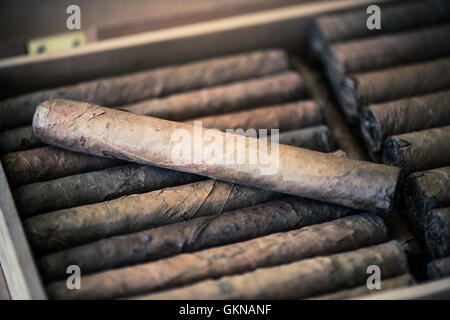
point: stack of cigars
(394, 84)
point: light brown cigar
(97, 186)
(223, 99)
(379, 121)
(317, 138)
(386, 284)
(432, 290)
(18, 139)
(437, 269)
(437, 232)
(394, 17)
(425, 191)
(299, 279)
(125, 89)
(420, 150)
(189, 236)
(48, 163)
(323, 239)
(361, 89)
(74, 226)
(283, 117)
(377, 53)
(296, 171)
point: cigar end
(371, 130)
(41, 115)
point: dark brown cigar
(420, 150)
(361, 89)
(74, 226)
(394, 17)
(228, 98)
(385, 284)
(286, 169)
(386, 51)
(299, 279)
(439, 268)
(125, 89)
(279, 248)
(283, 117)
(21, 138)
(193, 235)
(379, 121)
(317, 138)
(437, 232)
(425, 191)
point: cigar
(386, 284)
(48, 163)
(299, 279)
(353, 232)
(433, 290)
(425, 191)
(21, 138)
(97, 186)
(223, 99)
(317, 138)
(361, 89)
(113, 133)
(379, 121)
(420, 150)
(438, 269)
(437, 232)
(69, 227)
(394, 17)
(283, 117)
(386, 51)
(126, 89)
(193, 235)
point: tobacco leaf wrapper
(394, 17)
(386, 284)
(299, 279)
(227, 98)
(296, 171)
(420, 150)
(21, 138)
(323, 239)
(74, 226)
(125, 89)
(317, 138)
(379, 121)
(437, 232)
(437, 269)
(425, 191)
(189, 236)
(361, 89)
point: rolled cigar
(361, 89)
(97, 186)
(284, 117)
(188, 236)
(223, 99)
(299, 279)
(440, 268)
(420, 150)
(433, 290)
(394, 17)
(125, 89)
(317, 138)
(296, 171)
(379, 121)
(74, 226)
(437, 232)
(353, 232)
(386, 51)
(21, 138)
(425, 191)
(48, 163)
(386, 284)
